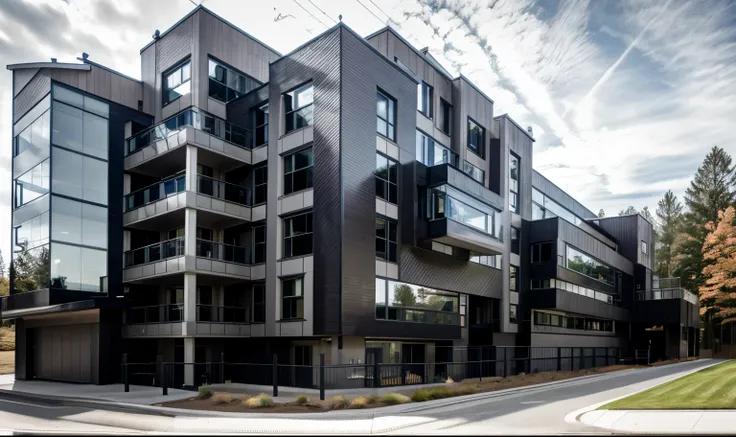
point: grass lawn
(7, 362)
(714, 387)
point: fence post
(275, 375)
(559, 359)
(125, 372)
(222, 367)
(582, 358)
(322, 376)
(164, 382)
(529, 360)
(505, 363)
(572, 360)
(376, 374)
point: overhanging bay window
(177, 82)
(430, 153)
(227, 83)
(587, 265)
(299, 108)
(447, 202)
(413, 303)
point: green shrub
(302, 400)
(338, 403)
(421, 395)
(394, 399)
(372, 399)
(466, 390)
(359, 402)
(205, 391)
(221, 399)
(261, 401)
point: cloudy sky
(625, 96)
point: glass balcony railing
(219, 314)
(157, 191)
(156, 314)
(299, 118)
(222, 252)
(200, 120)
(223, 190)
(447, 202)
(154, 252)
(667, 293)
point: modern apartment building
(350, 198)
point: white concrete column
(126, 240)
(126, 185)
(191, 169)
(189, 358)
(190, 298)
(190, 232)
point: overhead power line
(323, 12)
(382, 11)
(312, 15)
(372, 13)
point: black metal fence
(492, 361)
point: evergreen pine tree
(669, 217)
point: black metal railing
(222, 252)
(192, 117)
(154, 252)
(159, 190)
(223, 190)
(223, 314)
(155, 314)
(299, 118)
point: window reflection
(412, 303)
(79, 223)
(32, 184)
(77, 268)
(79, 130)
(31, 233)
(588, 266)
(30, 269)
(79, 176)
(447, 202)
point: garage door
(66, 353)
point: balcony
(155, 314)
(457, 219)
(668, 291)
(667, 303)
(162, 204)
(155, 252)
(223, 314)
(191, 126)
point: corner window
(386, 239)
(514, 183)
(32, 184)
(644, 247)
(260, 121)
(387, 179)
(177, 82)
(298, 107)
(227, 83)
(542, 252)
(260, 184)
(513, 274)
(259, 244)
(474, 172)
(298, 171)
(386, 116)
(298, 235)
(292, 298)
(445, 117)
(512, 313)
(425, 97)
(476, 138)
(515, 240)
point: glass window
(476, 138)
(644, 247)
(32, 184)
(298, 106)
(513, 275)
(380, 298)
(386, 239)
(542, 252)
(425, 99)
(430, 153)
(515, 240)
(260, 184)
(298, 235)
(490, 261)
(226, 83)
(79, 223)
(445, 117)
(259, 303)
(79, 130)
(292, 301)
(260, 121)
(177, 82)
(31, 268)
(77, 268)
(259, 244)
(31, 233)
(387, 179)
(33, 141)
(386, 115)
(514, 183)
(588, 266)
(414, 303)
(474, 172)
(80, 101)
(79, 176)
(512, 313)
(447, 202)
(298, 171)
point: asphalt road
(537, 411)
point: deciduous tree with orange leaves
(718, 293)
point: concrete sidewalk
(663, 421)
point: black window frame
(445, 117)
(389, 121)
(263, 126)
(513, 278)
(289, 113)
(179, 67)
(230, 93)
(288, 240)
(481, 149)
(538, 250)
(469, 168)
(260, 189)
(293, 301)
(514, 184)
(387, 189)
(390, 247)
(258, 302)
(644, 247)
(515, 239)
(289, 188)
(259, 244)
(513, 313)
(425, 104)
